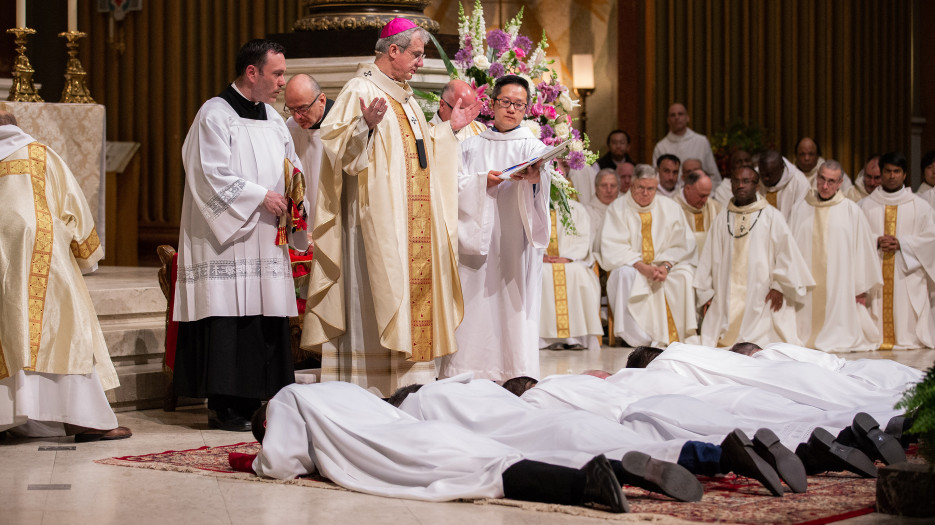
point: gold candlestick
(23, 89)
(76, 86)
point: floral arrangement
(919, 403)
(738, 135)
(485, 56)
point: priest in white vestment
(235, 291)
(683, 142)
(808, 159)
(781, 183)
(384, 295)
(722, 193)
(667, 170)
(834, 237)
(650, 251)
(905, 239)
(308, 107)
(618, 147)
(750, 275)
(571, 291)
(453, 91)
(606, 186)
(699, 209)
(928, 173)
(54, 364)
(867, 179)
(503, 228)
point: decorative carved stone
(360, 15)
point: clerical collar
(328, 104)
(494, 127)
(241, 105)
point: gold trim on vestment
(819, 272)
(646, 232)
(771, 198)
(419, 221)
(4, 373)
(84, 249)
(889, 270)
(699, 221)
(559, 284)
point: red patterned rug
(728, 499)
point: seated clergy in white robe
(54, 364)
(902, 224)
(606, 190)
(883, 374)
(649, 249)
(363, 443)
(503, 227)
(699, 209)
(571, 291)
(750, 272)
(834, 237)
(781, 183)
(454, 91)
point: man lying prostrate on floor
(882, 374)
(331, 428)
(563, 436)
(845, 396)
(804, 383)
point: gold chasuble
(418, 194)
(559, 282)
(47, 324)
(649, 254)
(699, 221)
(889, 268)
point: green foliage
(919, 403)
(738, 135)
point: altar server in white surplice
(883, 374)
(781, 183)
(902, 224)
(571, 291)
(750, 272)
(308, 107)
(649, 249)
(357, 440)
(235, 291)
(384, 296)
(834, 237)
(54, 364)
(503, 227)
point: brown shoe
(103, 435)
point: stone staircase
(132, 310)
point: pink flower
(535, 110)
(550, 112)
(519, 52)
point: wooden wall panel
(154, 72)
(835, 70)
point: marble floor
(40, 484)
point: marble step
(125, 291)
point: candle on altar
(20, 13)
(72, 15)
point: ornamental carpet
(729, 499)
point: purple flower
(575, 133)
(523, 43)
(548, 92)
(546, 131)
(498, 40)
(464, 58)
(496, 70)
(576, 160)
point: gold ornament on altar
(23, 89)
(76, 86)
(361, 15)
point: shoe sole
(620, 505)
(739, 447)
(666, 478)
(789, 467)
(886, 447)
(838, 456)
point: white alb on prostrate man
(650, 251)
(308, 107)
(453, 91)
(834, 237)
(750, 271)
(683, 142)
(503, 227)
(54, 364)
(902, 224)
(384, 296)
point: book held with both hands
(545, 157)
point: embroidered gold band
(559, 283)
(889, 269)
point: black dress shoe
(228, 419)
(822, 453)
(898, 426)
(738, 450)
(601, 485)
(874, 442)
(675, 481)
(787, 465)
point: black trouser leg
(536, 481)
